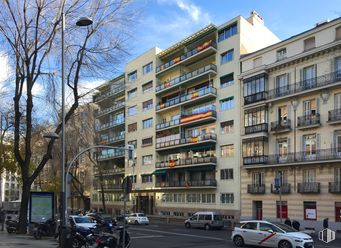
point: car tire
(188, 225)
(136, 222)
(284, 244)
(238, 241)
(207, 227)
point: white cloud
(4, 68)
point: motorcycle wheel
(37, 235)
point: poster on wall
(310, 214)
(41, 206)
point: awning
(159, 172)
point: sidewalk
(17, 240)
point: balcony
(256, 188)
(119, 154)
(112, 140)
(262, 159)
(334, 116)
(316, 83)
(202, 94)
(109, 125)
(263, 127)
(188, 77)
(334, 187)
(108, 187)
(308, 187)
(189, 141)
(308, 121)
(199, 52)
(167, 124)
(109, 93)
(260, 96)
(281, 126)
(109, 172)
(111, 109)
(187, 184)
(285, 189)
(180, 163)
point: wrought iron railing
(334, 115)
(285, 189)
(334, 187)
(308, 120)
(308, 187)
(263, 127)
(260, 96)
(279, 126)
(186, 162)
(256, 188)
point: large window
(309, 108)
(226, 57)
(309, 146)
(309, 176)
(309, 76)
(147, 105)
(253, 148)
(281, 54)
(227, 32)
(147, 160)
(255, 117)
(337, 137)
(147, 87)
(227, 151)
(227, 198)
(226, 80)
(226, 127)
(208, 198)
(132, 110)
(132, 93)
(132, 127)
(147, 178)
(255, 85)
(227, 103)
(338, 67)
(257, 178)
(282, 84)
(283, 149)
(148, 68)
(132, 76)
(147, 142)
(226, 174)
(147, 123)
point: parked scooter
(113, 240)
(45, 228)
(11, 225)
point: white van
(207, 220)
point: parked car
(207, 220)
(267, 234)
(82, 221)
(137, 218)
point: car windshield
(218, 217)
(83, 220)
(286, 228)
(141, 215)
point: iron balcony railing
(108, 187)
(263, 127)
(303, 85)
(187, 184)
(111, 155)
(256, 188)
(260, 96)
(334, 187)
(109, 93)
(186, 98)
(112, 108)
(186, 55)
(334, 115)
(185, 77)
(308, 187)
(186, 162)
(285, 189)
(280, 126)
(109, 125)
(109, 172)
(112, 139)
(188, 140)
(308, 120)
(262, 159)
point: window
(147, 123)
(255, 85)
(265, 227)
(147, 178)
(208, 198)
(132, 93)
(132, 76)
(147, 87)
(226, 80)
(132, 127)
(133, 179)
(148, 68)
(257, 62)
(226, 174)
(255, 117)
(147, 159)
(227, 198)
(147, 142)
(309, 76)
(257, 178)
(309, 176)
(227, 151)
(337, 138)
(227, 32)
(338, 33)
(309, 43)
(227, 103)
(226, 127)
(253, 148)
(226, 57)
(132, 110)
(309, 146)
(338, 67)
(310, 212)
(337, 175)
(282, 146)
(309, 108)
(147, 105)
(281, 54)
(250, 225)
(195, 198)
(282, 84)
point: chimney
(255, 18)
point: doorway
(257, 211)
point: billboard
(41, 206)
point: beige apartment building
(291, 115)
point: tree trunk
(26, 188)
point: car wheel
(238, 241)
(207, 227)
(136, 222)
(188, 225)
(284, 244)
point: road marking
(179, 234)
(148, 236)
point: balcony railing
(285, 189)
(112, 139)
(334, 115)
(262, 159)
(111, 155)
(167, 124)
(308, 120)
(109, 125)
(108, 187)
(320, 81)
(108, 93)
(112, 108)
(260, 96)
(187, 98)
(334, 187)
(186, 77)
(187, 55)
(109, 172)
(188, 184)
(308, 187)
(280, 126)
(187, 141)
(263, 127)
(186, 162)
(256, 188)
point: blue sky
(164, 22)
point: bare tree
(28, 33)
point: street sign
(127, 185)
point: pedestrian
(287, 222)
(325, 223)
(2, 218)
(296, 225)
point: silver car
(267, 234)
(207, 220)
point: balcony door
(337, 102)
(309, 176)
(309, 74)
(337, 175)
(338, 67)
(282, 146)
(282, 115)
(309, 146)
(282, 84)
(258, 178)
(309, 108)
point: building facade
(291, 128)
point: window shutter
(317, 105)
(318, 142)
(289, 145)
(289, 107)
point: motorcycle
(45, 228)
(113, 240)
(11, 225)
